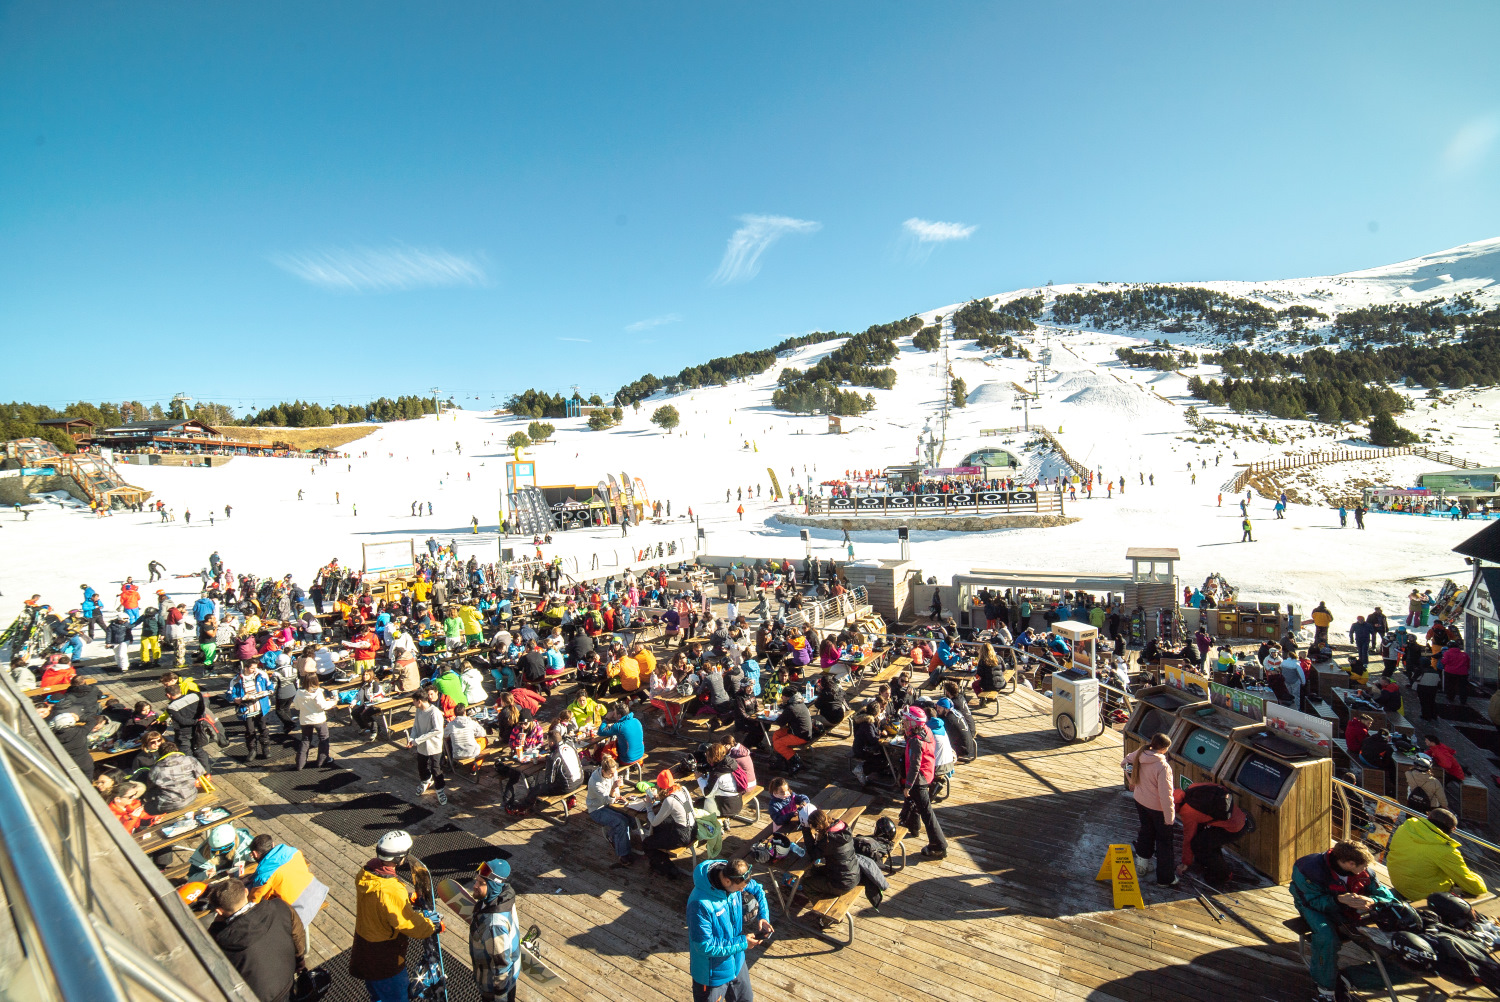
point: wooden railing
(1344, 456)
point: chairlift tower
(182, 400)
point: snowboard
(458, 899)
(428, 982)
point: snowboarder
(384, 919)
(157, 570)
(1245, 537)
(1359, 516)
(474, 524)
(495, 933)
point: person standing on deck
(384, 920)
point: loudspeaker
(903, 533)
(507, 555)
(805, 535)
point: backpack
(1418, 800)
(878, 849)
(1210, 799)
(208, 724)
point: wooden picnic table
(841, 805)
(103, 755)
(154, 839)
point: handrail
(1457, 833)
(50, 920)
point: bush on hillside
(539, 431)
(1385, 431)
(666, 417)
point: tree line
(300, 414)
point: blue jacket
(202, 609)
(238, 690)
(630, 738)
(715, 920)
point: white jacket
(427, 731)
(312, 707)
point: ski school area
(925, 780)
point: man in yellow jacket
(1424, 858)
(384, 919)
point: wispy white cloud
(383, 269)
(579, 340)
(742, 256)
(929, 232)
(1472, 143)
(650, 322)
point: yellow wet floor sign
(1119, 869)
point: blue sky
(340, 200)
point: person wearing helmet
(495, 933)
(226, 848)
(385, 917)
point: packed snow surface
(1119, 422)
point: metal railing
(1482, 855)
(68, 950)
(835, 607)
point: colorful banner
(1181, 678)
(1313, 730)
(1239, 701)
(775, 484)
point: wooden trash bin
(1201, 738)
(1155, 711)
(1288, 797)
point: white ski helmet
(222, 837)
(393, 845)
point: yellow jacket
(1321, 617)
(287, 881)
(384, 919)
(1422, 861)
(469, 616)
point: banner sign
(1181, 678)
(1237, 701)
(1313, 730)
(966, 501)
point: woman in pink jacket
(1150, 778)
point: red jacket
(921, 755)
(1354, 735)
(1193, 819)
(1447, 759)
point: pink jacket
(1153, 781)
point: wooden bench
(987, 696)
(840, 805)
(48, 690)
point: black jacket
(261, 943)
(580, 647)
(831, 705)
(959, 735)
(117, 632)
(836, 849)
(866, 737)
(533, 666)
(797, 719)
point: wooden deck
(1012, 913)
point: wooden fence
(1344, 456)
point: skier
(227, 511)
(474, 524)
(429, 507)
(1343, 517)
(1359, 516)
(741, 511)
(1245, 536)
(384, 919)
(299, 494)
(495, 933)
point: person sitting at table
(1332, 889)
(672, 824)
(1424, 858)
(450, 684)
(988, 675)
(603, 804)
(473, 684)
(629, 735)
(564, 768)
(834, 867)
(796, 729)
(1386, 693)
(956, 729)
(729, 773)
(367, 699)
(644, 658)
(901, 693)
(1377, 751)
(945, 757)
(789, 811)
(713, 691)
(225, 849)
(173, 781)
(960, 705)
(750, 669)
(625, 673)
(831, 705)
(663, 690)
(585, 711)
(828, 654)
(508, 716)
(464, 736)
(1355, 733)
(869, 756)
